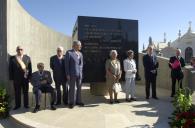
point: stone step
(98, 113)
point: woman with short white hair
(130, 73)
(113, 74)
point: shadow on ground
(9, 123)
(155, 108)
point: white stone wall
(39, 41)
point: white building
(157, 45)
(186, 43)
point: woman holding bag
(113, 74)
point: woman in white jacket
(130, 73)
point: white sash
(22, 65)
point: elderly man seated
(41, 81)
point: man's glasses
(59, 50)
(19, 49)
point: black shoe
(58, 104)
(71, 106)
(128, 100)
(16, 107)
(147, 98)
(111, 102)
(80, 104)
(65, 103)
(156, 98)
(116, 101)
(27, 107)
(172, 95)
(36, 109)
(53, 107)
(133, 99)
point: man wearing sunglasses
(20, 71)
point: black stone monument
(100, 35)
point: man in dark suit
(150, 67)
(176, 63)
(74, 69)
(41, 81)
(57, 64)
(20, 71)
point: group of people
(114, 72)
(151, 64)
(67, 72)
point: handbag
(117, 87)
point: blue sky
(155, 16)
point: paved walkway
(97, 113)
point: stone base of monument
(189, 77)
(98, 89)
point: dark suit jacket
(177, 73)
(15, 71)
(149, 65)
(73, 65)
(58, 68)
(37, 78)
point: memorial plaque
(100, 35)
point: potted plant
(184, 114)
(4, 103)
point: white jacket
(129, 67)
